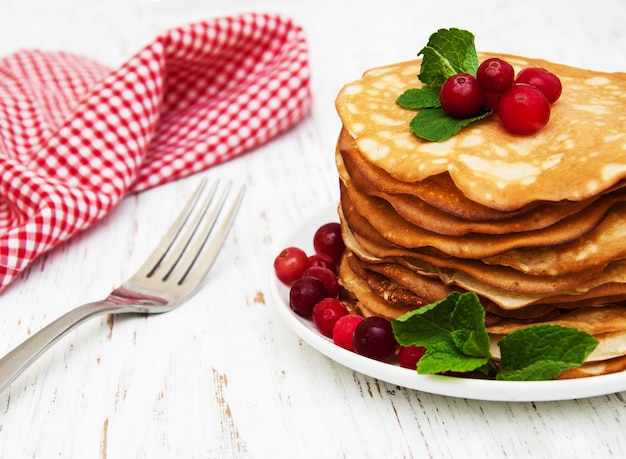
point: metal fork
(170, 275)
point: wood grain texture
(222, 377)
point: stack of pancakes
(534, 225)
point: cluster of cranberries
(314, 294)
(522, 102)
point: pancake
(439, 207)
(366, 301)
(399, 231)
(575, 256)
(595, 369)
(508, 289)
(595, 321)
(438, 191)
(584, 140)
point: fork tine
(173, 258)
(204, 264)
(155, 259)
(211, 251)
(193, 267)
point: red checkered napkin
(75, 137)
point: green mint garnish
(416, 98)
(436, 125)
(456, 340)
(543, 352)
(448, 52)
(452, 331)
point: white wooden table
(222, 376)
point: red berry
(523, 109)
(490, 100)
(326, 313)
(290, 264)
(343, 331)
(461, 96)
(327, 240)
(304, 295)
(328, 277)
(495, 75)
(408, 356)
(374, 338)
(546, 81)
(323, 260)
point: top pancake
(578, 155)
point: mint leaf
(448, 52)
(416, 98)
(542, 352)
(452, 330)
(436, 125)
(468, 322)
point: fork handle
(19, 359)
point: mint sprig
(434, 124)
(417, 98)
(452, 331)
(456, 340)
(543, 352)
(448, 52)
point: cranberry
(523, 109)
(327, 240)
(290, 264)
(494, 75)
(304, 295)
(408, 356)
(323, 260)
(328, 277)
(343, 331)
(461, 96)
(546, 81)
(490, 100)
(326, 313)
(374, 338)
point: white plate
(508, 391)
